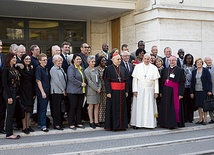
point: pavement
(192, 139)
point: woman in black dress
(26, 90)
(10, 81)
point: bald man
(116, 83)
(171, 107)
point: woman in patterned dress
(101, 67)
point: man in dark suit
(21, 50)
(35, 51)
(140, 45)
(154, 51)
(125, 47)
(180, 60)
(84, 54)
(104, 52)
(55, 49)
(2, 103)
(129, 67)
(168, 54)
(65, 48)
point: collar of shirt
(64, 55)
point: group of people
(115, 89)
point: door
(115, 33)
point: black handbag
(208, 104)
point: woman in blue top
(42, 90)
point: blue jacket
(205, 79)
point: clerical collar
(116, 66)
(172, 67)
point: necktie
(127, 66)
(167, 62)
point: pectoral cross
(119, 78)
(145, 76)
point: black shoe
(2, 131)
(26, 131)
(135, 127)
(45, 130)
(30, 129)
(199, 122)
(97, 124)
(92, 125)
(204, 123)
(58, 128)
(80, 126)
(211, 122)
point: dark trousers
(75, 107)
(129, 103)
(56, 109)
(10, 112)
(18, 114)
(2, 111)
(188, 106)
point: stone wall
(163, 23)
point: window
(43, 30)
(12, 29)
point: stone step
(103, 141)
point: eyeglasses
(45, 60)
(86, 47)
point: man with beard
(116, 83)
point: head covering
(172, 56)
(114, 55)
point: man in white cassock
(145, 90)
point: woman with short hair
(93, 91)
(42, 90)
(58, 90)
(201, 86)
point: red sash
(117, 85)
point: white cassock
(144, 108)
